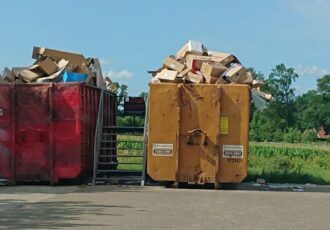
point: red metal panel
(32, 128)
(47, 130)
(67, 131)
(6, 132)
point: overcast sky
(132, 37)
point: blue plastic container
(74, 77)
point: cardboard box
(7, 75)
(57, 55)
(213, 69)
(223, 58)
(28, 75)
(47, 66)
(210, 79)
(257, 83)
(195, 61)
(167, 75)
(191, 47)
(249, 78)
(171, 63)
(184, 72)
(220, 80)
(236, 73)
(194, 78)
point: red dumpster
(47, 130)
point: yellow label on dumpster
(224, 125)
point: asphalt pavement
(155, 207)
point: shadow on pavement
(52, 215)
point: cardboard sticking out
(213, 69)
(223, 58)
(194, 78)
(184, 72)
(167, 75)
(220, 80)
(191, 47)
(62, 64)
(7, 75)
(57, 55)
(46, 66)
(236, 73)
(258, 101)
(171, 63)
(249, 78)
(16, 70)
(28, 75)
(195, 61)
(210, 79)
(99, 76)
(154, 72)
(257, 83)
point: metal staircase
(119, 145)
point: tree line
(290, 117)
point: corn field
(290, 163)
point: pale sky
(132, 37)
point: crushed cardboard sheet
(50, 66)
(195, 64)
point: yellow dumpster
(198, 133)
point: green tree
(121, 91)
(323, 85)
(280, 85)
(312, 108)
(271, 123)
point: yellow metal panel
(162, 129)
(199, 111)
(188, 117)
(235, 104)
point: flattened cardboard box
(167, 75)
(57, 55)
(28, 75)
(171, 63)
(213, 69)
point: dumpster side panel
(200, 110)
(32, 161)
(6, 132)
(67, 131)
(235, 104)
(163, 132)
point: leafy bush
(308, 136)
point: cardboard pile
(56, 66)
(195, 64)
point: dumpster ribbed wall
(47, 131)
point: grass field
(290, 163)
(133, 146)
(275, 162)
